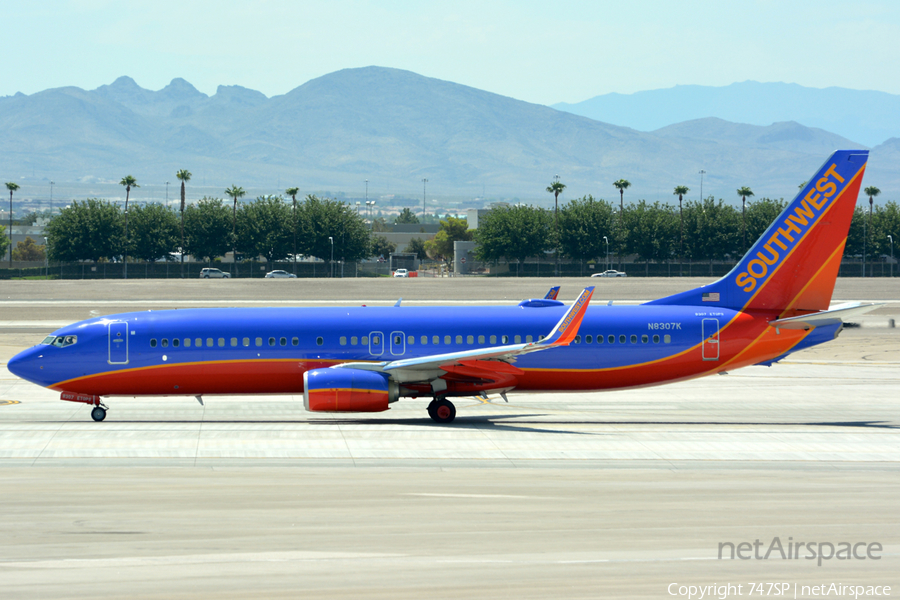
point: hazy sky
(541, 52)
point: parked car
(213, 274)
(610, 273)
(401, 273)
(279, 274)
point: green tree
(712, 230)
(680, 191)
(11, 187)
(129, 182)
(382, 247)
(28, 251)
(452, 230)
(4, 240)
(88, 230)
(184, 176)
(406, 216)
(264, 229)
(380, 225)
(871, 192)
(651, 231)
(760, 214)
(234, 192)
(513, 233)
(583, 224)
(154, 232)
(417, 246)
(321, 218)
(207, 230)
(886, 222)
(855, 245)
(744, 193)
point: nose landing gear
(442, 411)
(99, 413)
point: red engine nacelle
(348, 390)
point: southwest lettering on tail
(774, 302)
(801, 219)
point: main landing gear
(442, 411)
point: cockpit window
(61, 341)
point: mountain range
(396, 128)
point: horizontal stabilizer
(826, 317)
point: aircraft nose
(26, 364)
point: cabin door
(118, 343)
(710, 339)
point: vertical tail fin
(793, 266)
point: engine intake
(348, 390)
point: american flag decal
(711, 297)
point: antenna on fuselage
(398, 302)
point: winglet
(567, 328)
(552, 294)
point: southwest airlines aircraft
(361, 359)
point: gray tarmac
(551, 495)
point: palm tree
(183, 175)
(681, 190)
(234, 192)
(129, 182)
(11, 187)
(871, 192)
(556, 188)
(744, 192)
(292, 192)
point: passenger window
(447, 339)
(470, 339)
(645, 339)
(234, 342)
(667, 339)
(295, 341)
(611, 339)
(364, 340)
(354, 340)
(424, 340)
(245, 342)
(655, 339)
(198, 342)
(164, 343)
(153, 343)
(541, 338)
(411, 340)
(518, 339)
(271, 341)
(493, 339)
(621, 339)
(600, 339)
(529, 339)
(633, 339)
(577, 339)
(258, 342)
(398, 340)
(221, 342)
(187, 342)
(176, 342)
(480, 339)
(588, 339)
(319, 341)
(209, 342)
(343, 340)
(435, 339)
(283, 341)
(459, 339)
(504, 339)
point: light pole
(607, 252)
(892, 254)
(424, 183)
(51, 198)
(357, 208)
(367, 190)
(369, 203)
(331, 264)
(702, 173)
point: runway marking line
(9, 402)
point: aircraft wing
(426, 367)
(826, 317)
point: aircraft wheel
(98, 414)
(442, 411)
